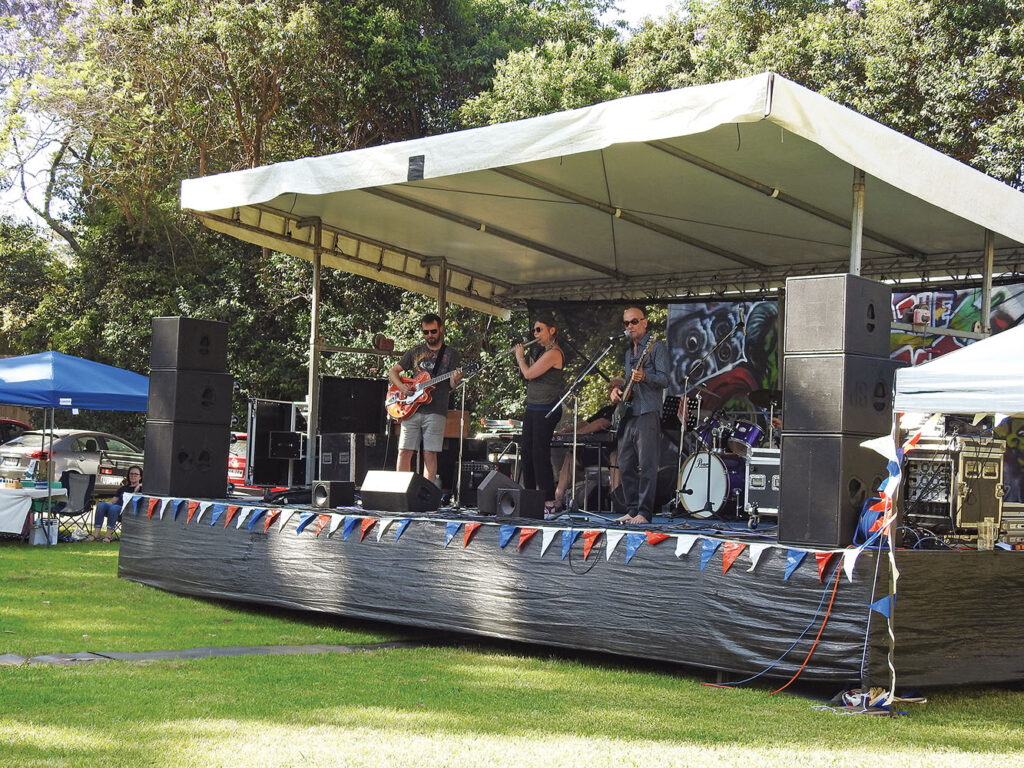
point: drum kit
(712, 481)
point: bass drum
(715, 478)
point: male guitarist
(426, 425)
(640, 426)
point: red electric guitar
(401, 406)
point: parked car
(236, 464)
(73, 450)
(11, 428)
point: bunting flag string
(215, 514)
(402, 525)
(129, 498)
(612, 539)
(348, 527)
(178, 504)
(793, 559)
(135, 504)
(163, 508)
(730, 552)
(883, 605)
(547, 535)
(505, 534)
(271, 517)
(754, 552)
(656, 537)
(569, 535)
(152, 507)
(365, 526)
(243, 513)
(336, 521)
(323, 521)
(385, 523)
(193, 507)
(633, 542)
(589, 537)
(525, 534)
(203, 506)
(451, 530)
(257, 513)
(850, 560)
(468, 530)
(708, 547)
(286, 515)
(822, 558)
(305, 518)
(684, 543)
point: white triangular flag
(684, 543)
(547, 536)
(849, 560)
(336, 520)
(203, 506)
(243, 513)
(613, 539)
(127, 500)
(164, 506)
(885, 445)
(382, 525)
(754, 551)
(286, 515)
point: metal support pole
(442, 289)
(986, 286)
(313, 391)
(857, 222)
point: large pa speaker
(487, 491)
(195, 397)
(329, 494)
(186, 460)
(352, 405)
(851, 394)
(837, 313)
(189, 344)
(349, 456)
(399, 492)
(519, 502)
(825, 481)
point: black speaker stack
(189, 409)
(837, 391)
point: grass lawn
(430, 706)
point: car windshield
(237, 447)
(29, 438)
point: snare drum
(744, 437)
(711, 477)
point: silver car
(74, 450)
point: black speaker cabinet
(329, 494)
(189, 344)
(352, 405)
(399, 492)
(837, 313)
(837, 393)
(349, 456)
(473, 474)
(186, 460)
(519, 502)
(487, 491)
(825, 481)
(195, 397)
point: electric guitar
(401, 406)
(624, 408)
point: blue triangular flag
(793, 559)
(568, 537)
(176, 506)
(451, 530)
(305, 518)
(135, 505)
(883, 606)
(633, 542)
(256, 515)
(350, 525)
(216, 511)
(708, 547)
(402, 525)
(505, 534)
(894, 468)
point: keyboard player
(600, 422)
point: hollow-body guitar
(401, 406)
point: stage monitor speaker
(330, 494)
(473, 474)
(825, 481)
(189, 344)
(831, 394)
(399, 492)
(837, 313)
(193, 397)
(519, 502)
(186, 460)
(352, 405)
(487, 491)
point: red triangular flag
(272, 515)
(822, 558)
(366, 525)
(321, 521)
(589, 537)
(654, 537)
(232, 511)
(730, 551)
(467, 532)
(524, 536)
(192, 507)
(152, 506)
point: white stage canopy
(726, 188)
(983, 377)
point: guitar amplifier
(762, 481)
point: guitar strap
(440, 361)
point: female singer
(544, 385)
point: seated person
(561, 456)
(110, 511)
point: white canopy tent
(983, 377)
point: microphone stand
(457, 492)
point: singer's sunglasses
(431, 331)
(537, 329)
(634, 321)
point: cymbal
(765, 398)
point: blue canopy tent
(55, 380)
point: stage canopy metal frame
(720, 190)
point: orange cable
(824, 621)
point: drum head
(703, 479)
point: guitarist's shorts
(422, 428)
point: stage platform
(722, 598)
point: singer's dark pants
(537, 431)
(639, 449)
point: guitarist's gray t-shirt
(423, 358)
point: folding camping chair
(77, 513)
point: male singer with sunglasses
(640, 429)
(426, 425)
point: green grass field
(446, 705)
